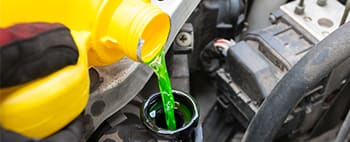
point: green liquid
(159, 67)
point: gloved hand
(34, 50)
(30, 51)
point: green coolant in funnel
(159, 67)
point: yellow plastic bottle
(104, 31)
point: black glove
(30, 51)
(33, 50)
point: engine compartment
(231, 65)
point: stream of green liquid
(159, 67)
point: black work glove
(30, 51)
(33, 50)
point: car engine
(260, 70)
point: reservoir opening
(160, 119)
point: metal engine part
(319, 21)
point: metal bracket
(319, 21)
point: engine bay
(175, 70)
(239, 59)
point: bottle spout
(136, 28)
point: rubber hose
(305, 75)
